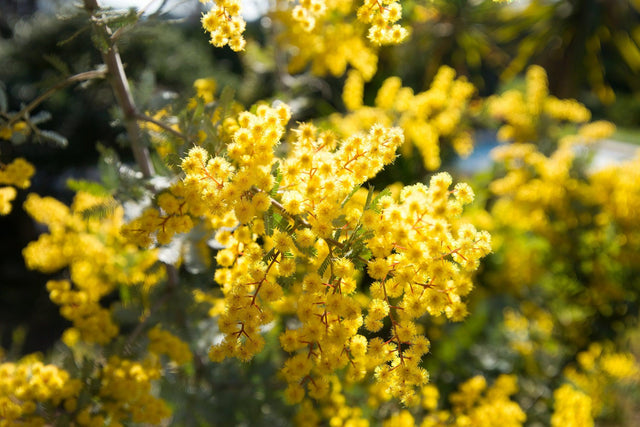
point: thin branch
(146, 118)
(121, 88)
(87, 75)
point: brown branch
(145, 118)
(122, 91)
(87, 75)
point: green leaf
(275, 170)
(122, 19)
(57, 63)
(269, 256)
(269, 222)
(101, 210)
(325, 264)
(125, 295)
(226, 101)
(73, 36)
(40, 117)
(91, 187)
(54, 137)
(376, 200)
(367, 202)
(100, 42)
(108, 166)
(355, 189)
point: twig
(146, 118)
(87, 75)
(121, 88)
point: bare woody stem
(121, 88)
(143, 117)
(87, 75)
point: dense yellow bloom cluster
(18, 173)
(332, 34)
(82, 307)
(126, 395)
(617, 189)
(538, 188)
(98, 257)
(316, 232)
(331, 47)
(383, 16)
(427, 118)
(572, 408)
(164, 342)
(527, 329)
(333, 407)
(307, 11)
(26, 384)
(599, 369)
(7, 194)
(35, 394)
(225, 24)
(525, 113)
(474, 404)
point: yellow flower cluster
(333, 407)
(537, 188)
(599, 369)
(572, 408)
(18, 173)
(7, 194)
(474, 404)
(205, 89)
(333, 34)
(35, 394)
(93, 323)
(98, 257)
(126, 395)
(225, 24)
(164, 342)
(617, 189)
(331, 47)
(307, 11)
(527, 329)
(525, 113)
(6, 131)
(383, 16)
(26, 385)
(294, 233)
(426, 118)
(213, 187)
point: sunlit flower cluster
(383, 16)
(29, 383)
(164, 342)
(572, 408)
(97, 256)
(473, 404)
(126, 391)
(18, 173)
(599, 369)
(427, 118)
(225, 24)
(524, 113)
